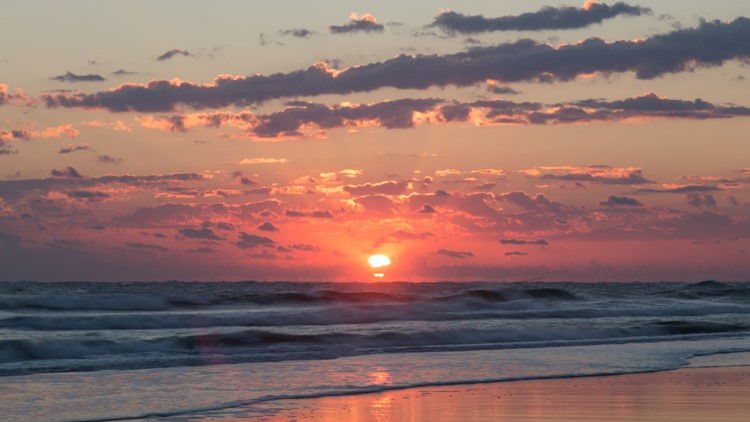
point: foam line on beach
(682, 362)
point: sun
(378, 261)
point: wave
(174, 296)
(257, 344)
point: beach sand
(692, 394)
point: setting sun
(378, 261)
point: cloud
(107, 159)
(454, 254)
(298, 32)
(72, 77)
(68, 172)
(563, 17)
(682, 189)
(708, 45)
(123, 72)
(538, 202)
(88, 195)
(502, 90)
(202, 233)
(249, 161)
(172, 53)
(70, 178)
(201, 250)
(701, 200)
(314, 214)
(73, 148)
(268, 227)
(147, 246)
(358, 23)
(516, 253)
(249, 241)
(29, 134)
(592, 174)
(6, 148)
(305, 119)
(8, 238)
(620, 201)
(427, 209)
(245, 180)
(382, 188)
(17, 98)
(540, 242)
(304, 247)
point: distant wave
(91, 326)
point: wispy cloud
(364, 22)
(72, 77)
(172, 53)
(563, 17)
(73, 148)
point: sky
(465, 140)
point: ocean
(88, 351)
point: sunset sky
(465, 140)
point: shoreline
(685, 394)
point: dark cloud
(202, 233)
(540, 242)
(72, 77)
(635, 177)
(502, 90)
(620, 201)
(7, 238)
(104, 158)
(6, 148)
(321, 214)
(303, 247)
(682, 189)
(563, 17)
(454, 254)
(298, 32)
(69, 178)
(538, 202)
(173, 52)
(223, 225)
(88, 195)
(249, 241)
(268, 227)
(701, 200)
(73, 148)
(201, 250)
(708, 45)
(314, 214)
(146, 246)
(68, 172)
(516, 253)
(427, 209)
(358, 23)
(247, 181)
(123, 72)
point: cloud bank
(708, 45)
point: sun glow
(378, 261)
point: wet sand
(693, 394)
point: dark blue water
(75, 326)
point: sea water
(106, 351)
